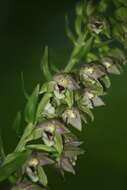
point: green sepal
(58, 143)
(42, 176)
(40, 147)
(87, 111)
(69, 98)
(106, 82)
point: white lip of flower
(49, 109)
(51, 130)
(89, 70)
(32, 175)
(33, 162)
(71, 113)
(47, 141)
(90, 95)
(107, 64)
(66, 81)
(58, 94)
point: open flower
(33, 167)
(49, 110)
(94, 70)
(70, 153)
(96, 25)
(112, 65)
(90, 75)
(50, 129)
(26, 185)
(91, 100)
(65, 81)
(72, 117)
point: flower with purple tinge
(31, 166)
(65, 81)
(91, 100)
(50, 128)
(112, 65)
(70, 153)
(26, 185)
(93, 70)
(72, 117)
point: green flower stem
(80, 50)
(27, 132)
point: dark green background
(25, 27)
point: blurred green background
(25, 28)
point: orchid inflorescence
(68, 96)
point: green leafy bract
(30, 110)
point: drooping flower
(91, 100)
(26, 185)
(65, 81)
(70, 153)
(49, 110)
(50, 129)
(96, 25)
(94, 70)
(90, 75)
(33, 167)
(112, 65)
(72, 117)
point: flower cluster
(72, 98)
(68, 97)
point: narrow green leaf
(87, 47)
(17, 123)
(78, 25)
(25, 138)
(42, 176)
(40, 147)
(79, 9)
(79, 52)
(45, 65)
(54, 68)
(13, 162)
(30, 110)
(23, 86)
(68, 31)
